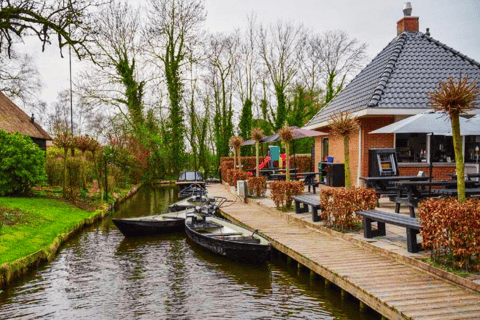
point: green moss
(450, 268)
(34, 223)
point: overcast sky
(453, 22)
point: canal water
(99, 274)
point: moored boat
(161, 223)
(227, 239)
(190, 202)
(151, 225)
(190, 183)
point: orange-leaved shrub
(257, 186)
(340, 204)
(226, 165)
(283, 191)
(237, 174)
(303, 163)
(452, 231)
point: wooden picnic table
(383, 185)
(412, 192)
(307, 177)
(270, 172)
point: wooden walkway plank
(392, 288)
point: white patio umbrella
(430, 122)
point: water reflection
(99, 274)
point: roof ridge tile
(389, 68)
(455, 52)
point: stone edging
(410, 261)
(16, 269)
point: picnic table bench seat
(412, 226)
(302, 203)
(469, 192)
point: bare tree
(114, 79)
(68, 20)
(222, 53)
(278, 48)
(21, 81)
(172, 34)
(340, 55)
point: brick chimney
(407, 23)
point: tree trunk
(239, 155)
(287, 160)
(234, 158)
(84, 176)
(457, 145)
(65, 155)
(346, 149)
(256, 153)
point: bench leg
(315, 217)
(297, 207)
(367, 227)
(412, 245)
(397, 207)
(412, 211)
(314, 192)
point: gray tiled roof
(400, 76)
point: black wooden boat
(162, 223)
(190, 202)
(190, 183)
(227, 239)
(151, 225)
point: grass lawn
(30, 224)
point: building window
(472, 149)
(324, 149)
(411, 147)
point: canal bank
(11, 271)
(387, 284)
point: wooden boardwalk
(392, 288)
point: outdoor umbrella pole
(430, 164)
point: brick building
(13, 119)
(393, 86)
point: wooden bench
(412, 225)
(302, 202)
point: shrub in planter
(228, 176)
(238, 175)
(303, 163)
(452, 231)
(283, 191)
(225, 165)
(257, 186)
(340, 204)
(22, 163)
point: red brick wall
(439, 172)
(370, 141)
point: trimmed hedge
(340, 204)
(452, 231)
(257, 186)
(283, 191)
